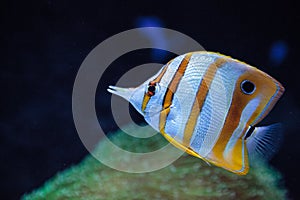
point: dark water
(43, 44)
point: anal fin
(182, 147)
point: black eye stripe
(247, 87)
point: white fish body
(205, 104)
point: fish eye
(151, 88)
(247, 87)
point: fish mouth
(125, 93)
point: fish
(208, 105)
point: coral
(186, 178)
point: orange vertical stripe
(231, 123)
(200, 99)
(172, 87)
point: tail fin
(265, 141)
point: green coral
(187, 178)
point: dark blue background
(44, 42)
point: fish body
(208, 105)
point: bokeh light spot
(278, 52)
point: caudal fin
(265, 141)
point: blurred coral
(186, 178)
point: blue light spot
(148, 21)
(157, 37)
(278, 52)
